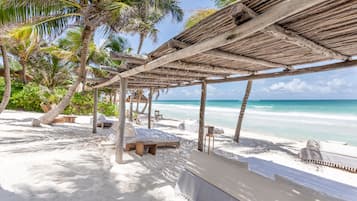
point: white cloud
(299, 86)
(295, 85)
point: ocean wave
(258, 111)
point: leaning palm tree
(7, 92)
(53, 16)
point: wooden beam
(230, 56)
(131, 108)
(150, 103)
(201, 128)
(95, 108)
(120, 134)
(128, 58)
(163, 77)
(205, 68)
(273, 15)
(185, 66)
(179, 72)
(328, 67)
(242, 110)
(296, 39)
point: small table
(141, 146)
(210, 131)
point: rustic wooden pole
(120, 134)
(150, 104)
(95, 109)
(242, 110)
(131, 107)
(202, 115)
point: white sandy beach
(66, 162)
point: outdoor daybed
(133, 135)
(215, 178)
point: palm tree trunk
(242, 110)
(24, 68)
(54, 112)
(7, 92)
(145, 106)
(141, 42)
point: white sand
(64, 162)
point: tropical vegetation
(48, 49)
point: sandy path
(63, 163)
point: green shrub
(108, 109)
(30, 97)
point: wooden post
(242, 110)
(202, 115)
(120, 134)
(131, 108)
(95, 108)
(150, 103)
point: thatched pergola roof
(247, 40)
(251, 39)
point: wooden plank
(296, 39)
(95, 108)
(202, 115)
(149, 110)
(206, 68)
(229, 56)
(242, 110)
(328, 67)
(272, 15)
(121, 130)
(163, 77)
(184, 72)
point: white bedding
(143, 134)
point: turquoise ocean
(334, 120)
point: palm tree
(148, 15)
(50, 71)
(144, 22)
(24, 42)
(53, 16)
(7, 92)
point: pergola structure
(248, 40)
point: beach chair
(104, 122)
(158, 116)
(215, 178)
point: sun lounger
(104, 122)
(330, 154)
(214, 178)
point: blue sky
(340, 84)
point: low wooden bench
(65, 119)
(141, 146)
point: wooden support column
(201, 128)
(131, 108)
(150, 105)
(95, 108)
(120, 134)
(242, 110)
